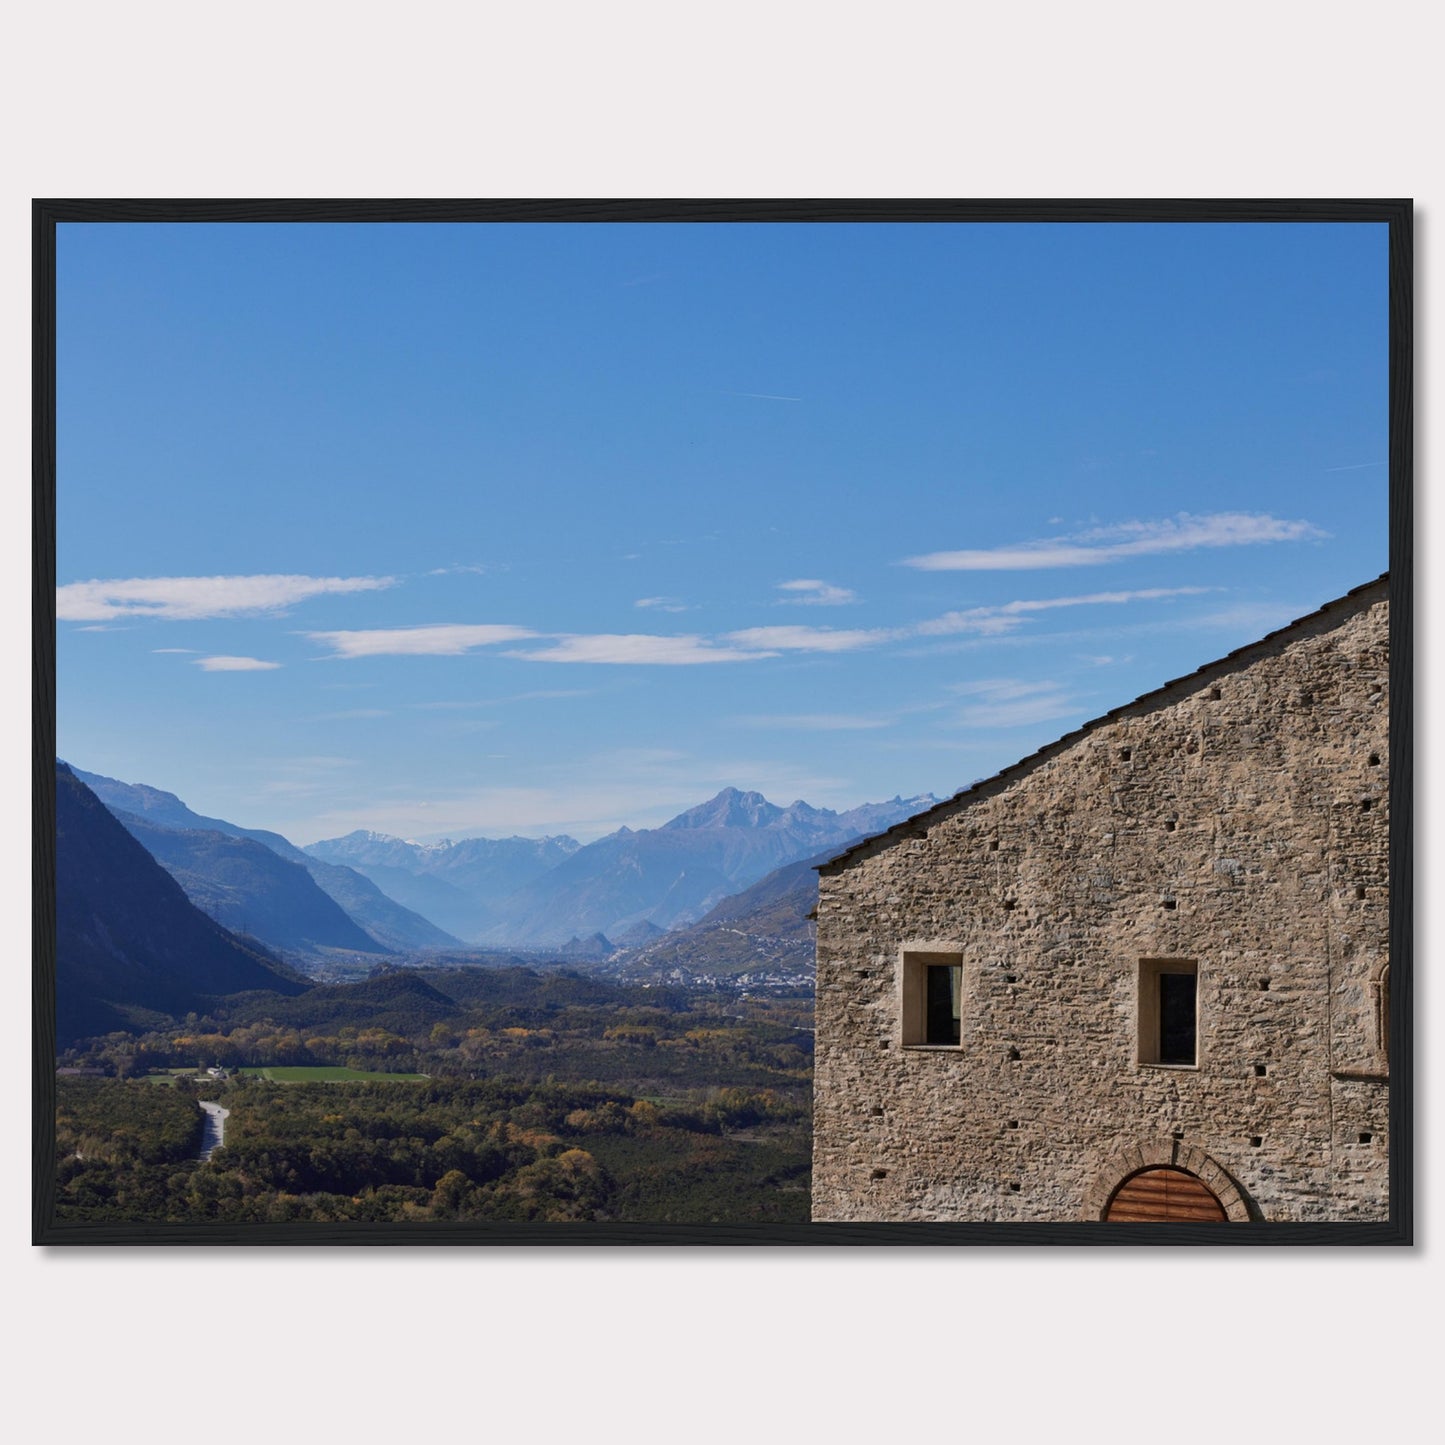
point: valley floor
(458, 1095)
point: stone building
(1141, 974)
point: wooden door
(1163, 1194)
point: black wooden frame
(1397, 214)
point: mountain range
(545, 893)
(721, 889)
(224, 874)
(460, 886)
(129, 943)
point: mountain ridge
(129, 942)
(389, 924)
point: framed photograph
(723, 722)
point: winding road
(215, 1130)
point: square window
(1168, 1025)
(932, 1003)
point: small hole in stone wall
(1010, 904)
(865, 973)
(1260, 1071)
(1306, 699)
(1169, 903)
(1015, 1188)
(1374, 760)
(993, 845)
(1360, 891)
(1010, 978)
(1125, 754)
(1365, 805)
(1365, 1138)
(1170, 825)
(879, 1174)
(876, 1110)
(1264, 985)
(1256, 1141)
(1214, 694)
(1013, 1123)
(1014, 1055)
(1179, 1133)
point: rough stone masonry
(1233, 824)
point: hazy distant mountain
(765, 929)
(457, 885)
(388, 922)
(246, 886)
(674, 874)
(128, 941)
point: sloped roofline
(1353, 601)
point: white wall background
(789, 98)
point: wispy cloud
(1357, 467)
(817, 722)
(636, 648)
(762, 396)
(480, 569)
(989, 621)
(1007, 702)
(1182, 533)
(235, 664)
(1255, 618)
(747, 645)
(446, 639)
(543, 695)
(662, 604)
(813, 593)
(1005, 614)
(811, 639)
(350, 714)
(190, 598)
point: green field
(326, 1074)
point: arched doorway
(1164, 1194)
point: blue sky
(555, 528)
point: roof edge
(1357, 599)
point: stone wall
(1237, 819)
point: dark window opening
(1177, 1018)
(945, 985)
(1260, 1071)
(1374, 760)
(1365, 1138)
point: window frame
(914, 961)
(1147, 1023)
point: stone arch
(1139, 1154)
